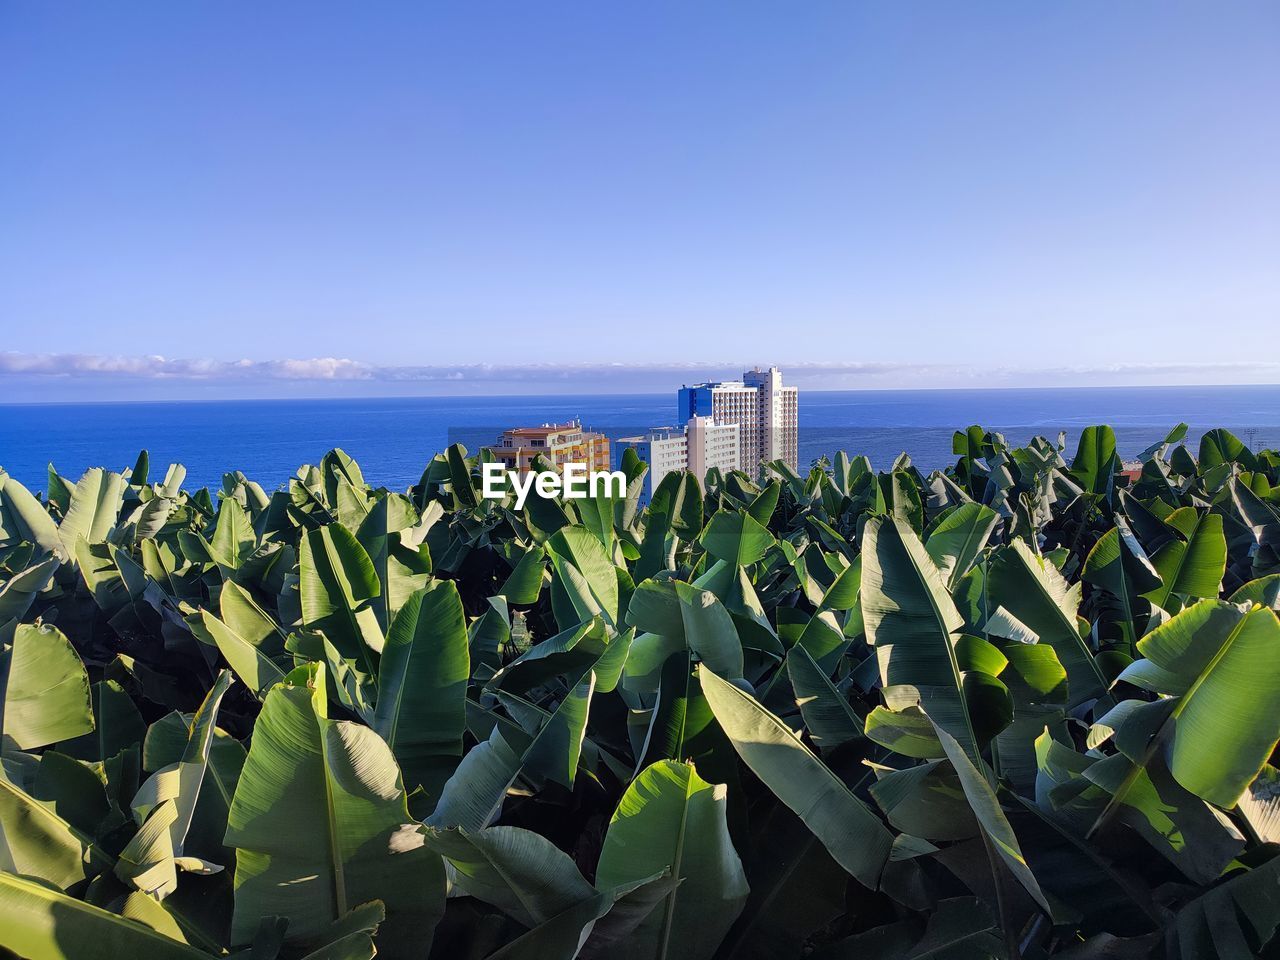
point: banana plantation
(1023, 707)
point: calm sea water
(394, 438)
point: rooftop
(544, 430)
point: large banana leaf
(1037, 594)
(23, 517)
(580, 557)
(1234, 920)
(233, 538)
(403, 568)
(709, 631)
(175, 737)
(518, 871)
(1096, 462)
(557, 747)
(957, 539)
(254, 668)
(1222, 446)
(828, 717)
(42, 924)
(982, 799)
(1219, 660)
(671, 820)
(851, 833)
(338, 585)
(95, 507)
(314, 820)
(736, 538)
(345, 490)
(682, 726)
(913, 624)
(661, 519)
(46, 689)
(422, 685)
(473, 796)
(37, 841)
(1118, 564)
(1191, 568)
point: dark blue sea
(393, 438)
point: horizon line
(650, 393)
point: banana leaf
(852, 834)
(314, 823)
(671, 820)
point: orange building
(559, 443)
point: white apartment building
(698, 446)
(765, 411)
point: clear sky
(393, 195)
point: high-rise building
(766, 412)
(559, 443)
(697, 447)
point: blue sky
(312, 198)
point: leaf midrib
(331, 814)
(677, 861)
(956, 675)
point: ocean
(393, 438)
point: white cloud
(618, 375)
(156, 367)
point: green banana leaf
(422, 685)
(315, 820)
(557, 747)
(38, 842)
(1192, 568)
(338, 586)
(1096, 461)
(46, 689)
(472, 798)
(828, 716)
(1036, 593)
(233, 538)
(956, 540)
(171, 739)
(852, 834)
(1118, 564)
(41, 923)
(578, 556)
(402, 568)
(182, 782)
(24, 517)
(518, 871)
(255, 669)
(670, 819)
(95, 507)
(708, 629)
(736, 537)
(1234, 920)
(913, 624)
(1219, 660)
(985, 805)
